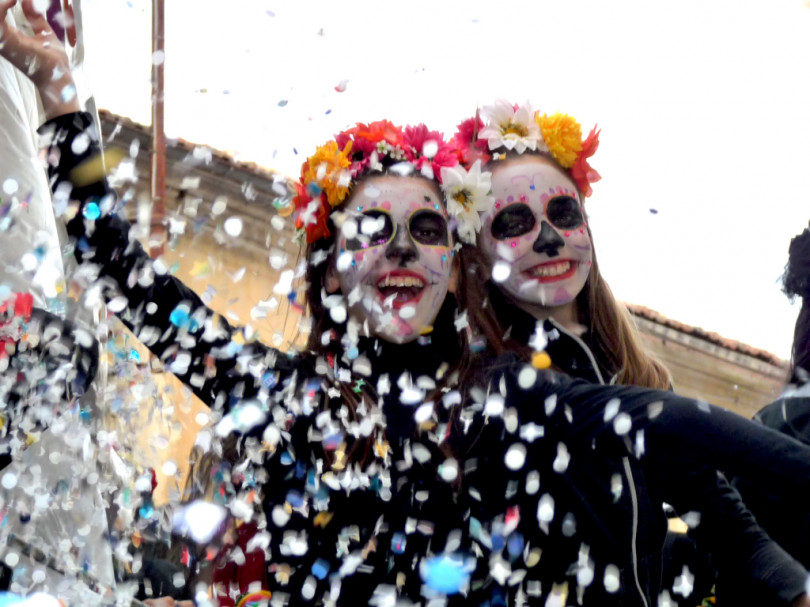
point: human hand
(167, 601)
(41, 57)
(802, 601)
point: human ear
(452, 286)
(331, 280)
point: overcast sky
(704, 108)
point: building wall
(212, 270)
(710, 372)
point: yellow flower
(563, 136)
(327, 168)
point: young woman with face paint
(539, 254)
(546, 294)
(384, 480)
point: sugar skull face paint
(394, 255)
(535, 236)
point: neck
(422, 356)
(567, 314)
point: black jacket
(781, 511)
(758, 566)
(519, 483)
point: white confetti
(532, 482)
(449, 470)
(29, 262)
(622, 424)
(219, 206)
(10, 186)
(430, 148)
(338, 313)
(611, 409)
(545, 509)
(9, 480)
(515, 456)
(349, 228)
(233, 226)
(117, 304)
(501, 271)
(527, 377)
(494, 405)
(611, 579)
(563, 458)
(278, 223)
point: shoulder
(789, 415)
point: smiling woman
(540, 264)
(396, 245)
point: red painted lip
(399, 302)
(544, 279)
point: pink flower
(468, 146)
(428, 151)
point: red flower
(415, 139)
(367, 136)
(583, 173)
(467, 146)
(315, 224)
(23, 304)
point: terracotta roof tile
(710, 336)
(250, 167)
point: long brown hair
(613, 336)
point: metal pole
(157, 236)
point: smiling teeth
(551, 269)
(400, 281)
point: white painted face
(394, 255)
(535, 236)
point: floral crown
(520, 128)
(328, 175)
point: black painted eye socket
(563, 212)
(374, 228)
(429, 228)
(515, 220)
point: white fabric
(68, 515)
(33, 232)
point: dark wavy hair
(796, 283)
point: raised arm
(41, 57)
(218, 362)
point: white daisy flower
(467, 194)
(514, 129)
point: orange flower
(327, 168)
